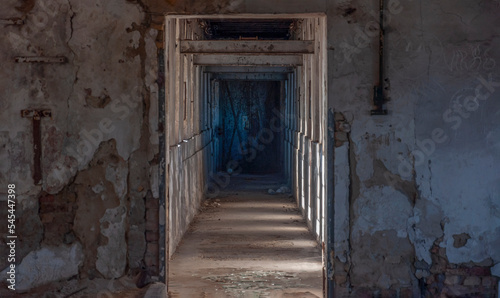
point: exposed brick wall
(452, 280)
(371, 293)
(57, 213)
(440, 279)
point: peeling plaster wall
(460, 174)
(99, 148)
(424, 174)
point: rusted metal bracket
(37, 115)
(12, 21)
(41, 59)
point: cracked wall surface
(416, 191)
(423, 175)
(99, 147)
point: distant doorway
(245, 137)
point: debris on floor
(211, 204)
(256, 282)
(282, 190)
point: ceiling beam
(249, 69)
(250, 76)
(264, 60)
(247, 46)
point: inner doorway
(246, 110)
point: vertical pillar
(162, 241)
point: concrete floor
(247, 243)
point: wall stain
(26, 6)
(383, 177)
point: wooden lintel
(264, 60)
(250, 76)
(248, 69)
(247, 46)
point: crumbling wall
(99, 148)
(422, 192)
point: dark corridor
(248, 134)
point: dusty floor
(247, 243)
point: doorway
(222, 87)
(246, 110)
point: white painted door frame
(185, 58)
